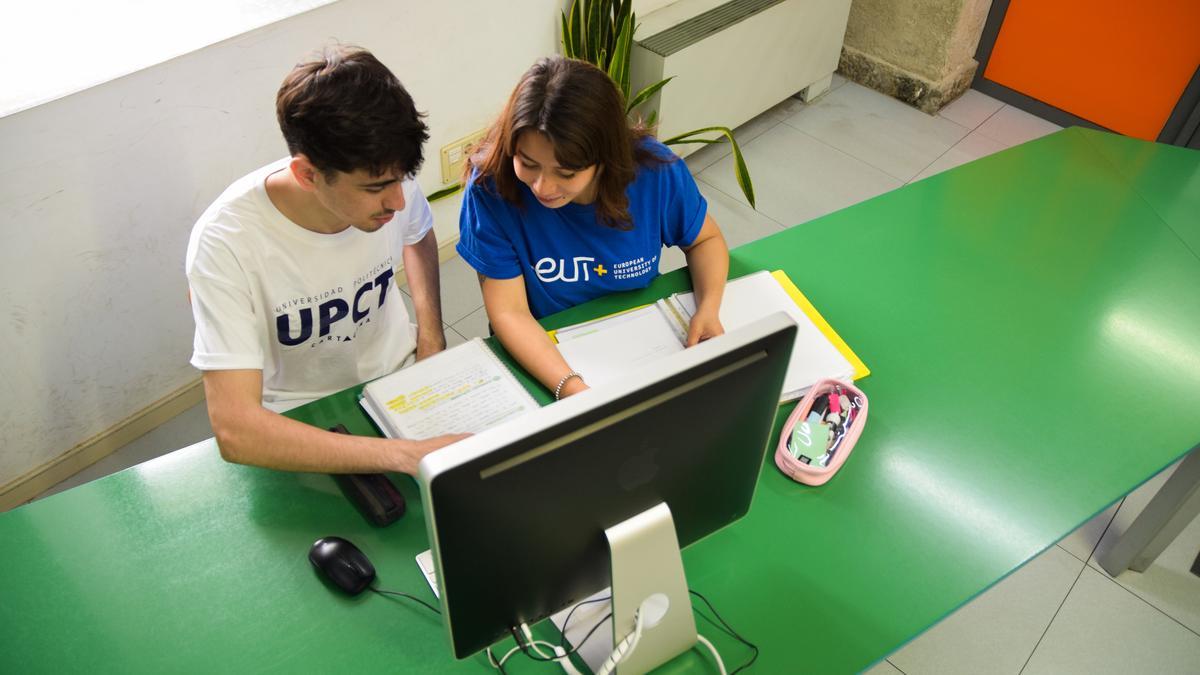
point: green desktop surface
(1032, 326)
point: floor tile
(670, 259)
(787, 107)
(708, 155)
(996, 632)
(1082, 542)
(460, 290)
(971, 109)
(838, 81)
(797, 178)
(1012, 126)
(878, 130)
(473, 325)
(883, 668)
(969, 149)
(408, 304)
(1102, 628)
(190, 426)
(453, 338)
(1168, 584)
(738, 222)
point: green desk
(1033, 327)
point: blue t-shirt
(566, 255)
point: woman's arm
(508, 310)
(708, 263)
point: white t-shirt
(316, 313)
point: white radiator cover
(733, 60)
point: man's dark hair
(345, 111)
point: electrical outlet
(454, 155)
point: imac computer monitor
(603, 489)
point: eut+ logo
(555, 269)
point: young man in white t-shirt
(292, 271)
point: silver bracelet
(558, 389)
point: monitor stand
(646, 570)
(647, 576)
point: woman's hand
(704, 325)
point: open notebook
(607, 348)
(462, 389)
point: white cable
(621, 652)
(534, 643)
(492, 657)
(560, 654)
(711, 648)
(565, 661)
(625, 647)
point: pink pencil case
(811, 453)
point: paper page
(589, 612)
(588, 327)
(756, 295)
(464, 389)
(676, 317)
(425, 564)
(621, 348)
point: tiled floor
(1058, 614)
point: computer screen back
(517, 515)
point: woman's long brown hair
(579, 109)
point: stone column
(919, 51)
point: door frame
(1181, 127)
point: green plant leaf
(592, 29)
(686, 137)
(606, 29)
(624, 45)
(444, 192)
(576, 30)
(566, 38)
(621, 11)
(614, 71)
(647, 93)
(739, 163)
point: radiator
(733, 60)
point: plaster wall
(920, 51)
(99, 190)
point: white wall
(105, 40)
(98, 192)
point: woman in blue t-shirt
(566, 202)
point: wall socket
(454, 155)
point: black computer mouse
(342, 563)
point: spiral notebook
(608, 348)
(464, 389)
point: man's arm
(708, 263)
(424, 284)
(508, 310)
(248, 433)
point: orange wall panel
(1119, 64)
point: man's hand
(704, 325)
(412, 451)
(430, 341)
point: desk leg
(1175, 505)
